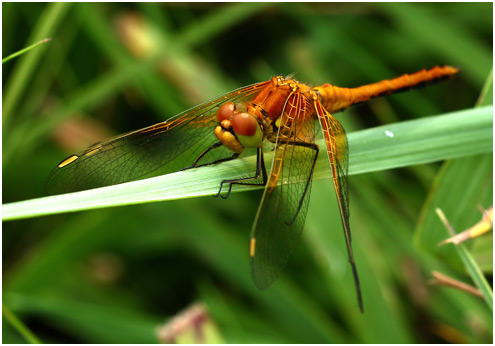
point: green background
(113, 275)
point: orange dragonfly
(280, 111)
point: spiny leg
(216, 145)
(260, 168)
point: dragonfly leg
(216, 145)
(260, 170)
(316, 150)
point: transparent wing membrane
(282, 212)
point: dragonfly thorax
(271, 101)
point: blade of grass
(218, 21)
(19, 326)
(421, 141)
(27, 49)
(486, 95)
(471, 265)
(426, 140)
(459, 187)
(46, 26)
(93, 320)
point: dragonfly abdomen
(336, 99)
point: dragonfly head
(237, 130)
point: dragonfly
(281, 112)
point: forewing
(336, 142)
(159, 149)
(283, 208)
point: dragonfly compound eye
(226, 111)
(247, 130)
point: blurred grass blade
(19, 326)
(408, 143)
(93, 320)
(46, 25)
(470, 264)
(27, 49)
(486, 95)
(218, 21)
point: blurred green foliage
(113, 275)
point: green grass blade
(474, 271)
(25, 50)
(94, 320)
(19, 79)
(218, 21)
(413, 142)
(486, 95)
(421, 141)
(19, 326)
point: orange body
(287, 100)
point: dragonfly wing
(337, 149)
(159, 149)
(282, 212)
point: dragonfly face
(237, 130)
(283, 112)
